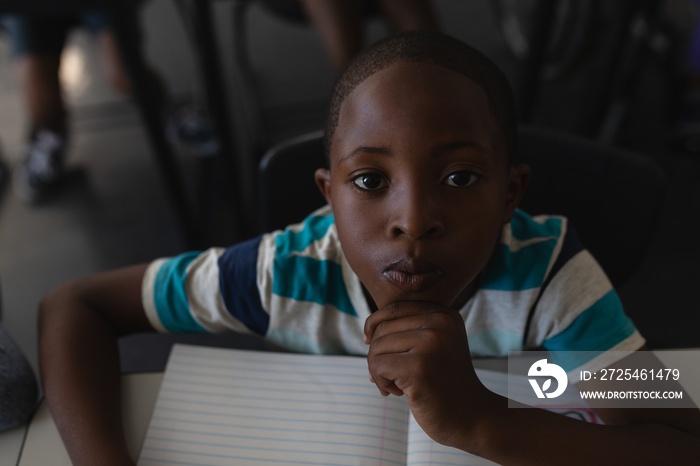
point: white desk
(11, 445)
(43, 445)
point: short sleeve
(579, 311)
(213, 291)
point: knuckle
(431, 337)
(379, 329)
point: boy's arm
(420, 350)
(79, 324)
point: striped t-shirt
(541, 289)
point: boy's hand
(420, 349)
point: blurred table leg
(226, 183)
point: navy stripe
(238, 270)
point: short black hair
(437, 48)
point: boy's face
(419, 183)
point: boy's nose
(415, 216)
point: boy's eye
(369, 181)
(461, 179)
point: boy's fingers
(385, 385)
(393, 356)
(394, 312)
(420, 318)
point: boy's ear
(518, 179)
(322, 176)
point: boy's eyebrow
(437, 149)
(365, 150)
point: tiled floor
(117, 213)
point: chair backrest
(611, 197)
(288, 192)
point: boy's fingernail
(364, 338)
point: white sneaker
(42, 165)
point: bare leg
(41, 166)
(41, 91)
(339, 23)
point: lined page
(424, 451)
(227, 407)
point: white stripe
(494, 309)
(516, 245)
(266, 256)
(324, 248)
(576, 287)
(311, 327)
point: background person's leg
(40, 86)
(37, 43)
(181, 123)
(339, 23)
(408, 15)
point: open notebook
(228, 407)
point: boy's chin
(384, 299)
(382, 296)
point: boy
(420, 260)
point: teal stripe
(524, 227)
(170, 295)
(315, 228)
(521, 270)
(313, 280)
(495, 343)
(597, 329)
(526, 268)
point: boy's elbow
(62, 302)
(109, 301)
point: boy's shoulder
(319, 225)
(528, 248)
(524, 227)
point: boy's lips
(411, 274)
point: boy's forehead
(399, 90)
(416, 77)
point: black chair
(19, 390)
(612, 197)
(287, 191)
